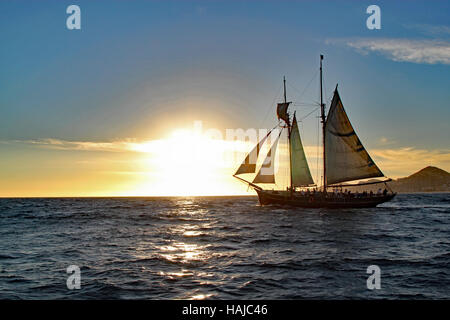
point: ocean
(222, 248)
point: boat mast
(322, 111)
(289, 137)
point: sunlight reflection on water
(200, 296)
(224, 247)
(184, 252)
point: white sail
(249, 164)
(300, 175)
(266, 173)
(346, 158)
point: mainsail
(300, 175)
(266, 173)
(249, 164)
(346, 158)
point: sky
(115, 108)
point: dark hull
(267, 197)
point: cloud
(385, 141)
(428, 29)
(110, 146)
(406, 50)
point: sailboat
(344, 160)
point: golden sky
(184, 162)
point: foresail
(249, 164)
(300, 175)
(266, 173)
(346, 158)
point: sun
(188, 163)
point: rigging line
(324, 84)
(308, 114)
(330, 97)
(271, 105)
(287, 168)
(317, 149)
(305, 104)
(315, 106)
(307, 86)
(328, 101)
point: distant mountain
(429, 179)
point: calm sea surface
(222, 248)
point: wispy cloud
(406, 50)
(385, 141)
(109, 146)
(429, 29)
(135, 145)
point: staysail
(300, 175)
(346, 158)
(266, 173)
(249, 164)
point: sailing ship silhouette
(344, 159)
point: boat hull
(296, 199)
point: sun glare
(188, 163)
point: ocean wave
(221, 248)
